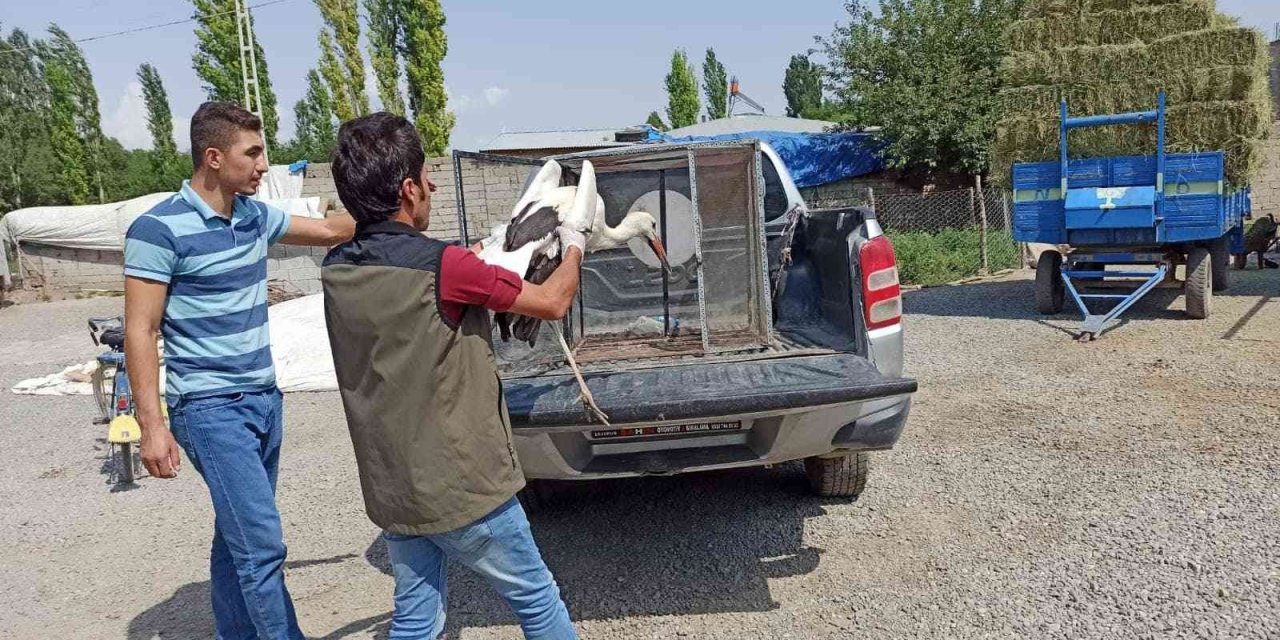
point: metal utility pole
(249, 66)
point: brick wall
(489, 189)
(1266, 186)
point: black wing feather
(531, 226)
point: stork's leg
(587, 400)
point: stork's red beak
(656, 244)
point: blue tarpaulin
(811, 158)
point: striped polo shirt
(215, 317)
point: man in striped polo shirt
(195, 271)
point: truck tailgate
(701, 389)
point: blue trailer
(1129, 222)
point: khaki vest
(423, 398)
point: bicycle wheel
(125, 468)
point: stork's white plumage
(528, 245)
(637, 224)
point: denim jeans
(501, 549)
(233, 441)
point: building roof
(740, 124)
(573, 139)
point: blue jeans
(501, 549)
(233, 441)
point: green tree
(425, 47)
(925, 71)
(342, 17)
(166, 165)
(803, 87)
(88, 120)
(384, 35)
(715, 86)
(24, 101)
(316, 134)
(64, 135)
(332, 72)
(682, 92)
(655, 121)
(217, 61)
(159, 116)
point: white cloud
(128, 121)
(494, 95)
(455, 102)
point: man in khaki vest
(408, 320)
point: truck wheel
(839, 477)
(1198, 287)
(1219, 259)
(1049, 288)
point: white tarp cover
(102, 226)
(90, 226)
(279, 184)
(300, 345)
(299, 348)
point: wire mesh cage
(707, 203)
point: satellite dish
(680, 232)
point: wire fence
(941, 236)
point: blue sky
(513, 65)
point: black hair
(375, 153)
(215, 124)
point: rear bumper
(789, 408)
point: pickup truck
(827, 388)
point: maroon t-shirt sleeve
(465, 279)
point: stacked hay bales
(1114, 56)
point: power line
(154, 26)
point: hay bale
(1236, 127)
(1172, 56)
(1132, 26)
(1212, 84)
(1070, 8)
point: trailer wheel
(1219, 262)
(1199, 284)
(839, 477)
(1049, 289)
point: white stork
(525, 242)
(528, 245)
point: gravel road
(1043, 489)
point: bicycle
(115, 398)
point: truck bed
(622, 353)
(676, 389)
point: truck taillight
(881, 293)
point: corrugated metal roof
(591, 138)
(739, 124)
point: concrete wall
(42, 265)
(1266, 186)
(489, 189)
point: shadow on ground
(1014, 299)
(695, 544)
(187, 613)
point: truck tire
(1199, 283)
(1049, 288)
(839, 477)
(1219, 264)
